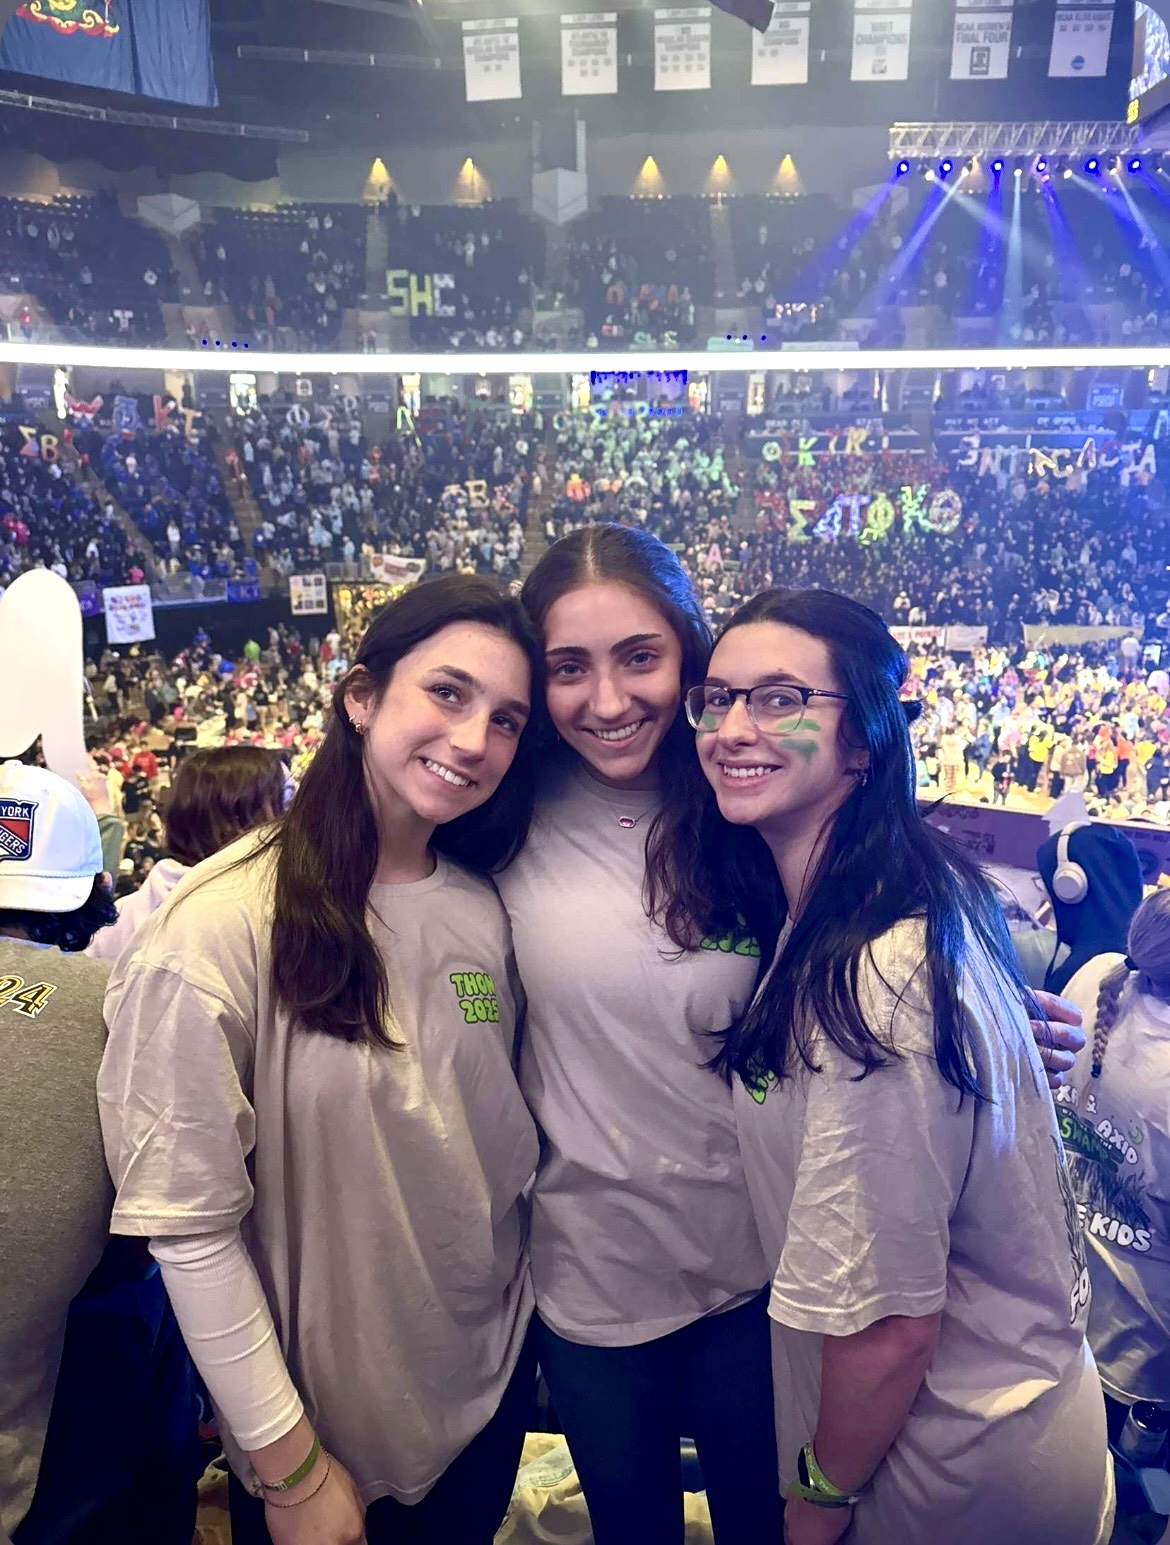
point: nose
(737, 728)
(606, 700)
(470, 737)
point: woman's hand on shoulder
(330, 1514)
(1059, 1035)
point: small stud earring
(359, 727)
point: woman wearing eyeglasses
(929, 1285)
(647, 1266)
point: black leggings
(624, 1409)
(467, 1504)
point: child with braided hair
(1115, 1122)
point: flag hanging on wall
(982, 43)
(152, 48)
(780, 55)
(491, 59)
(682, 49)
(881, 40)
(1080, 38)
(589, 54)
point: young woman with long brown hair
(310, 1110)
(647, 1265)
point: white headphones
(1070, 883)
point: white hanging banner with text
(881, 40)
(491, 59)
(780, 55)
(682, 49)
(982, 42)
(1081, 35)
(589, 54)
(129, 614)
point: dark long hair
(626, 555)
(325, 966)
(881, 864)
(220, 793)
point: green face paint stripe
(805, 748)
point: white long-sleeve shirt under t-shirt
(379, 1193)
(641, 1221)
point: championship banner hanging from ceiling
(589, 54)
(1080, 39)
(491, 59)
(780, 55)
(982, 40)
(881, 40)
(682, 49)
(151, 48)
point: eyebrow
(476, 685)
(771, 678)
(578, 652)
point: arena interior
(322, 321)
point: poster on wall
(491, 59)
(982, 41)
(1080, 40)
(682, 49)
(780, 55)
(589, 54)
(881, 40)
(308, 595)
(129, 614)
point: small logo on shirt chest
(476, 992)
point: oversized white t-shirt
(1116, 1131)
(641, 1218)
(882, 1197)
(378, 1192)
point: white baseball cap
(50, 845)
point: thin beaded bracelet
(328, 1466)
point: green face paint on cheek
(805, 748)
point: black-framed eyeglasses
(774, 707)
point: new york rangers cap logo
(16, 829)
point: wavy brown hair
(219, 794)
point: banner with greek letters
(491, 59)
(682, 49)
(881, 40)
(1080, 40)
(780, 55)
(982, 43)
(589, 54)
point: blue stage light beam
(1011, 316)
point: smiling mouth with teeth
(627, 732)
(745, 773)
(447, 775)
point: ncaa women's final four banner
(151, 48)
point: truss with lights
(930, 141)
(698, 361)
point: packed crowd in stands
(639, 269)
(49, 519)
(289, 273)
(98, 274)
(455, 496)
(481, 265)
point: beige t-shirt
(378, 1192)
(641, 1220)
(1116, 1131)
(880, 1197)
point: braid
(1108, 1007)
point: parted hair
(1146, 968)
